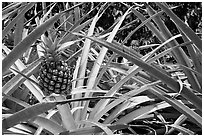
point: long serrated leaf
(130, 55)
(193, 54)
(13, 22)
(9, 87)
(161, 93)
(26, 77)
(85, 51)
(149, 55)
(98, 63)
(66, 45)
(21, 47)
(179, 54)
(119, 108)
(36, 17)
(12, 7)
(141, 111)
(125, 97)
(129, 97)
(36, 110)
(77, 26)
(27, 114)
(45, 15)
(143, 23)
(83, 62)
(187, 30)
(194, 117)
(167, 51)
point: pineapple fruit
(55, 74)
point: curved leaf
(27, 114)
(104, 127)
(20, 15)
(48, 125)
(93, 130)
(184, 130)
(21, 47)
(187, 30)
(131, 55)
(141, 111)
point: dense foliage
(147, 82)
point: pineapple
(55, 74)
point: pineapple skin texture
(55, 77)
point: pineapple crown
(50, 47)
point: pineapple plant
(143, 90)
(55, 74)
